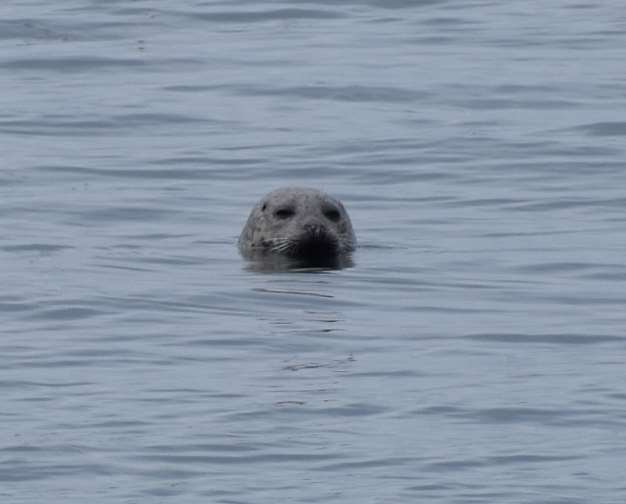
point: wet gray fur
(289, 216)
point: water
(473, 353)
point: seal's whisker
(281, 244)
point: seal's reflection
(274, 263)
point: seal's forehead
(295, 196)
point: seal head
(299, 223)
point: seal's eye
(332, 214)
(284, 213)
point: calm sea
(475, 351)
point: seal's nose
(314, 229)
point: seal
(299, 223)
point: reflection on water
(268, 262)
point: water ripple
(77, 64)
(548, 339)
(355, 93)
(602, 129)
(265, 15)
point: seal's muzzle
(316, 242)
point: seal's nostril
(314, 229)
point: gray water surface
(475, 350)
